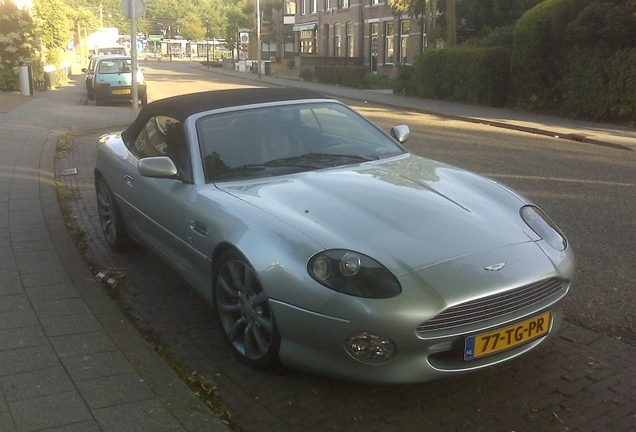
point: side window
(165, 136)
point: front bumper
(315, 341)
(118, 93)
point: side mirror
(157, 167)
(84, 70)
(401, 133)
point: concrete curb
(173, 393)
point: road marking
(564, 180)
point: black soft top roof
(183, 106)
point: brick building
(363, 32)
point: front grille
(493, 306)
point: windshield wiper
(232, 172)
(317, 160)
(305, 162)
(332, 156)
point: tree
(540, 51)
(52, 26)
(477, 18)
(84, 23)
(608, 22)
(425, 11)
(18, 42)
(193, 27)
(236, 15)
(277, 32)
(463, 19)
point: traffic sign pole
(133, 54)
(133, 9)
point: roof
(183, 106)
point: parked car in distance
(112, 80)
(112, 50)
(89, 71)
(323, 243)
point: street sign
(140, 8)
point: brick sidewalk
(581, 381)
(69, 360)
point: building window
(313, 4)
(344, 4)
(404, 41)
(389, 46)
(375, 31)
(350, 40)
(308, 42)
(327, 5)
(303, 11)
(337, 41)
(375, 2)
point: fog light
(370, 348)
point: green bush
(601, 85)
(350, 76)
(499, 37)
(8, 79)
(609, 22)
(404, 81)
(306, 74)
(622, 85)
(477, 76)
(539, 54)
(374, 79)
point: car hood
(407, 213)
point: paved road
(580, 381)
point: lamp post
(207, 42)
(258, 35)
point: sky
(23, 3)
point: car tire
(244, 313)
(110, 218)
(98, 101)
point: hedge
(350, 76)
(539, 54)
(478, 76)
(601, 85)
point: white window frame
(404, 40)
(389, 43)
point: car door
(157, 204)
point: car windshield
(279, 140)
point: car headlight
(544, 227)
(354, 274)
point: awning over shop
(305, 26)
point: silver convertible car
(324, 245)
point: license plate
(121, 92)
(508, 337)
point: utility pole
(207, 42)
(258, 36)
(451, 22)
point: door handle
(129, 180)
(198, 228)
